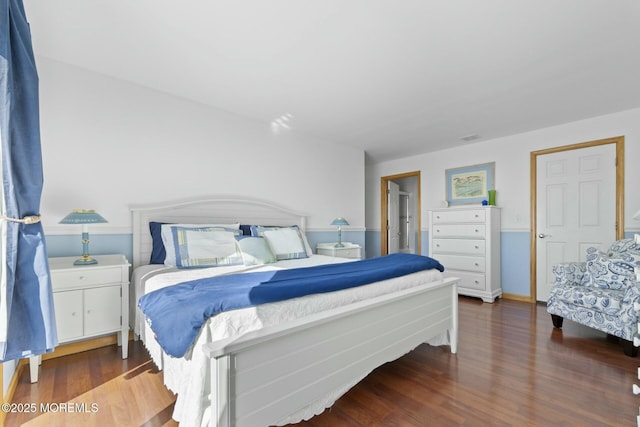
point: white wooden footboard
(264, 376)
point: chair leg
(557, 320)
(628, 348)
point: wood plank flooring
(512, 369)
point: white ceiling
(393, 77)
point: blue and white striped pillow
(205, 247)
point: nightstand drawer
(69, 279)
(349, 253)
(349, 250)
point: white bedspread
(188, 377)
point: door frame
(384, 236)
(619, 142)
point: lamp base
(85, 260)
(339, 245)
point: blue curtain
(27, 322)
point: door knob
(542, 235)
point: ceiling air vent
(472, 137)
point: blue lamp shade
(339, 221)
(84, 217)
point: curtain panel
(27, 321)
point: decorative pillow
(158, 253)
(606, 272)
(253, 230)
(167, 237)
(285, 242)
(255, 251)
(205, 247)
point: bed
(285, 361)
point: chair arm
(630, 301)
(569, 273)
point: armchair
(600, 293)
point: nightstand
(349, 250)
(89, 301)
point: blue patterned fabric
(600, 293)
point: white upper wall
(512, 171)
(107, 144)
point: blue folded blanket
(176, 313)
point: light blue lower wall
(99, 244)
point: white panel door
(576, 207)
(393, 217)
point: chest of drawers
(466, 241)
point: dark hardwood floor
(512, 369)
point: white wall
(512, 176)
(107, 143)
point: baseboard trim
(516, 297)
(80, 346)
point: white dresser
(466, 241)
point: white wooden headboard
(202, 210)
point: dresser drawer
(471, 215)
(466, 263)
(82, 277)
(459, 246)
(469, 280)
(473, 231)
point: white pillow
(256, 251)
(169, 245)
(285, 243)
(257, 231)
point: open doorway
(400, 227)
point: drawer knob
(81, 278)
(476, 264)
(477, 282)
(477, 231)
(73, 313)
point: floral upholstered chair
(601, 292)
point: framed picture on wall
(469, 184)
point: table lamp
(339, 221)
(84, 217)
